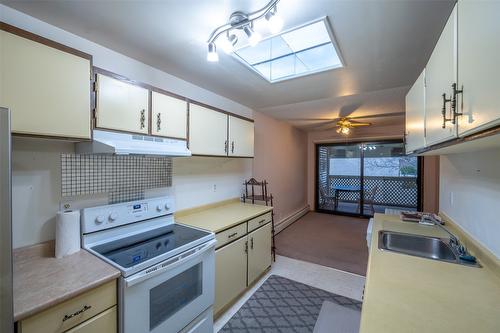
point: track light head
(212, 55)
(227, 44)
(253, 37)
(275, 21)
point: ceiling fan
(345, 124)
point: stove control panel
(109, 216)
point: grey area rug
(281, 305)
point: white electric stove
(168, 269)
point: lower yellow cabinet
(259, 253)
(93, 309)
(230, 272)
(239, 261)
(105, 322)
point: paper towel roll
(67, 233)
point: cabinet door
(46, 89)
(169, 116)
(259, 253)
(121, 106)
(207, 131)
(105, 322)
(440, 74)
(230, 272)
(478, 69)
(415, 115)
(241, 137)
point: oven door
(170, 295)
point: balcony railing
(392, 191)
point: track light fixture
(243, 21)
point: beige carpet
(328, 240)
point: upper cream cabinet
(121, 106)
(241, 137)
(45, 85)
(440, 74)
(207, 131)
(415, 113)
(478, 68)
(169, 116)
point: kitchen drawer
(231, 234)
(259, 221)
(72, 312)
(105, 322)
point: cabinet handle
(158, 122)
(251, 243)
(262, 221)
(443, 110)
(225, 146)
(232, 235)
(246, 247)
(232, 147)
(143, 118)
(77, 313)
(454, 112)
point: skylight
(298, 52)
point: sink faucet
(454, 241)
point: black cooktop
(133, 250)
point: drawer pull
(262, 221)
(77, 313)
(232, 235)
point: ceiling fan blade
(308, 119)
(380, 115)
(360, 124)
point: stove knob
(159, 208)
(158, 245)
(166, 206)
(99, 219)
(113, 216)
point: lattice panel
(392, 191)
(124, 178)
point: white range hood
(105, 142)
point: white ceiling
(384, 43)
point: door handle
(251, 243)
(443, 110)
(158, 122)
(143, 118)
(232, 147)
(454, 113)
(225, 146)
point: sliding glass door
(365, 178)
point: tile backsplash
(123, 178)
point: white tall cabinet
(440, 74)
(478, 64)
(207, 131)
(415, 115)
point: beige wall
(280, 158)
(363, 133)
(470, 194)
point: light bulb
(253, 37)
(227, 44)
(212, 55)
(275, 22)
(345, 130)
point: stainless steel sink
(420, 246)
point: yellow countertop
(220, 217)
(411, 294)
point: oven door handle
(169, 263)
